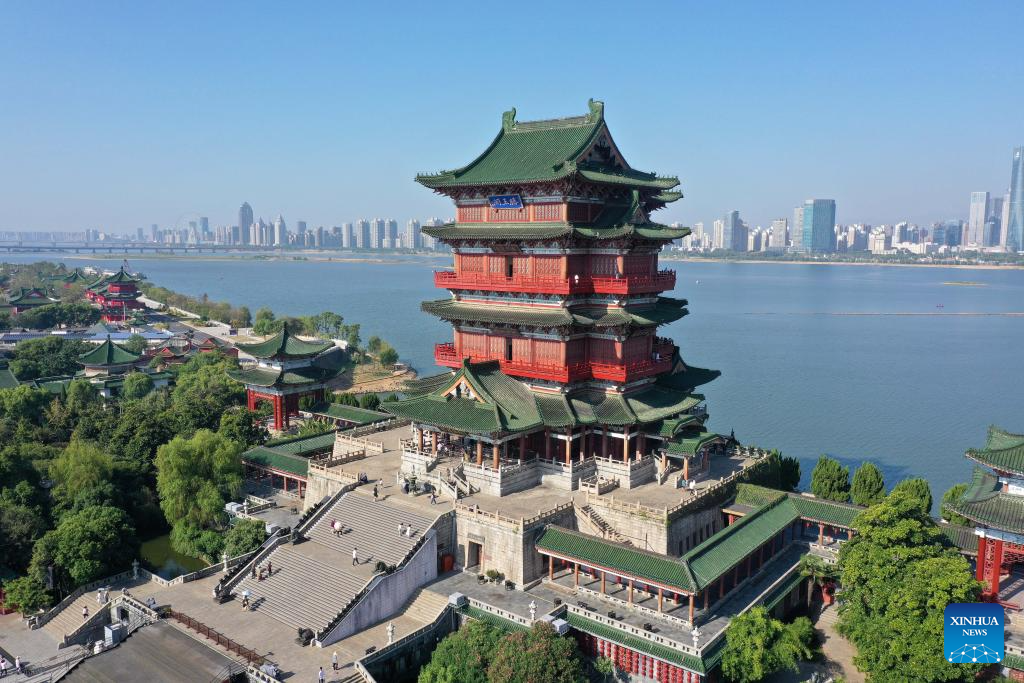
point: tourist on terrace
(270, 568)
(3, 667)
(375, 493)
(433, 497)
(85, 612)
(355, 556)
(334, 660)
(320, 676)
(17, 664)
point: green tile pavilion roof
(303, 445)
(7, 378)
(539, 151)
(984, 503)
(617, 557)
(269, 377)
(963, 537)
(810, 508)
(121, 276)
(26, 298)
(669, 428)
(106, 354)
(665, 310)
(1013, 661)
(504, 404)
(1003, 451)
(691, 441)
(339, 411)
(278, 460)
(425, 385)
(284, 344)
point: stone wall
(321, 484)
(501, 544)
(644, 528)
(688, 531)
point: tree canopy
(919, 490)
(538, 655)
(830, 480)
(868, 486)
(463, 656)
(136, 385)
(950, 497)
(779, 472)
(47, 357)
(758, 646)
(244, 536)
(898, 574)
(88, 544)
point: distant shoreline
(400, 258)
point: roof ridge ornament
(508, 120)
(596, 109)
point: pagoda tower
(117, 296)
(555, 300)
(994, 501)
(286, 369)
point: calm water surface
(904, 382)
(160, 558)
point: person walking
(85, 612)
(355, 556)
(433, 497)
(375, 493)
(3, 667)
(401, 528)
(270, 568)
(320, 676)
(17, 664)
(334, 660)
(254, 571)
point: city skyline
(142, 126)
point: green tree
(81, 396)
(758, 646)
(136, 385)
(948, 499)
(868, 486)
(830, 480)
(244, 536)
(242, 426)
(47, 357)
(387, 356)
(919, 490)
(373, 345)
(28, 594)
(203, 391)
(265, 322)
(82, 476)
(816, 571)
(327, 324)
(369, 401)
(196, 477)
(778, 472)
(604, 667)
(24, 403)
(241, 317)
(314, 427)
(20, 526)
(539, 655)
(136, 344)
(898, 574)
(94, 542)
(346, 399)
(463, 656)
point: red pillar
(979, 571)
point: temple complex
(27, 299)
(117, 296)
(286, 369)
(555, 301)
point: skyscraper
(376, 233)
(718, 235)
(797, 233)
(363, 234)
(819, 227)
(778, 239)
(412, 234)
(280, 232)
(976, 219)
(1015, 218)
(245, 221)
(732, 236)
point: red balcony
(663, 281)
(445, 354)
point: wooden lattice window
(602, 265)
(507, 215)
(472, 263)
(547, 212)
(471, 214)
(545, 266)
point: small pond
(160, 558)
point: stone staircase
(370, 527)
(70, 618)
(304, 592)
(599, 525)
(424, 606)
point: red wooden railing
(202, 629)
(445, 354)
(661, 281)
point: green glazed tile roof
(983, 502)
(107, 353)
(1003, 451)
(666, 310)
(360, 416)
(724, 550)
(284, 345)
(7, 378)
(457, 311)
(425, 385)
(686, 378)
(757, 496)
(691, 441)
(273, 458)
(810, 508)
(617, 558)
(30, 297)
(636, 643)
(303, 445)
(671, 427)
(667, 197)
(508, 405)
(491, 618)
(268, 377)
(963, 537)
(538, 151)
(1013, 661)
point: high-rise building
(391, 234)
(1015, 215)
(698, 235)
(778, 238)
(376, 233)
(796, 235)
(733, 236)
(245, 221)
(300, 233)
(280, 232)
(1004, 220)
(819, 225)
(718, 235)
(976, 219)
(348, 236)
(363, 234)
(412, 234)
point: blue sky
(118, 115)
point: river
(905, 366)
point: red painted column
(995, 568)
(979, 571)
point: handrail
(217, 637)
(235, 575)
(41, 619)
